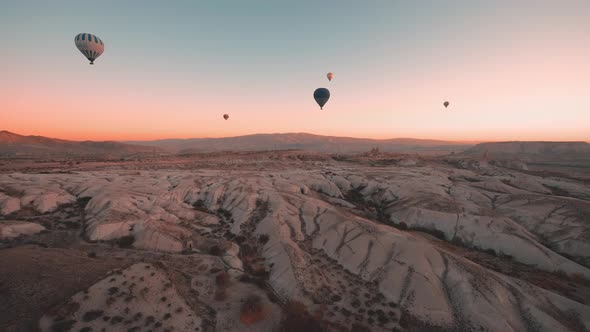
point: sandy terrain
(34, 280)
(266, 241)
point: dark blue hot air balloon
(321, 96)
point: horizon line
(471, 141)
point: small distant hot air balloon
(225, 116)
(321, 96)
(446, 103)
(90, 45)
(330, 76)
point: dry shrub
(66, 310)
(92, 315)
(220, 294)
(63, 325)
(263, 238)
(357, 327)
(223, 279)
(260, 271)
(116, 320)
(253, 280)
(215, 250)
(579, 276)
(110, 301)
(253, 310)
(247, 252)
(296, 318)
(126, 241)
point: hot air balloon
(321, 96)
(446, 103)
(225, 116)
(330, 76)
(90, 45)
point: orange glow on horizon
(511, 71)
(139, 136)
(518, 96)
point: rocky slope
(379, 247)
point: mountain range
(302, 141)
(15, 145)
(532, 151)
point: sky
(511, 70)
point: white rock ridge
(330, 225)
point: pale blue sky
(394, 61)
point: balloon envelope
(90, 45)
(330, 76)
(321, 96)
(446, 103)
(225, 116)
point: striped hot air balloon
(90, 45)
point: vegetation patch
(297, 318)
(126, 241)
(200, 206)
(63, 325)
(252, 310)
(92, 315)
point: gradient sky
(512, 70)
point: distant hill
(303, 141)
(14, 145)
(532, 151)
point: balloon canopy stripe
(89, 37)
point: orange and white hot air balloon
(90, 45)
(330, 76)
